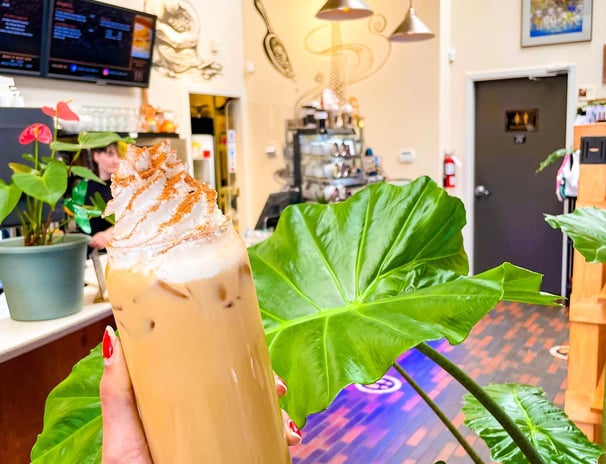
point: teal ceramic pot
(43, 282)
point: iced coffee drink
(182, 293)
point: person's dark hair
(91, 158)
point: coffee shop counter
(34, 358)
(18, 337)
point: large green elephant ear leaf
(343, 290)
(587, 229)
(346, 288)
(72, 430)
(552, 434)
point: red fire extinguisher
(450, 180)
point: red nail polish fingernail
(108, 347)
(294, 429)
(281, 383)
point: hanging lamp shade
(412, 29)
(340, 10)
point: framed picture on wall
(547, 22)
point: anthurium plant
(43, 181)
(344, 289)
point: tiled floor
(392, 425)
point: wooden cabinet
(587, 355)
(26, 381)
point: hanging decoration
(274, 47)
(349, 62)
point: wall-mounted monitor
(101, 43)
(22, 32)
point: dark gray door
(509, 198)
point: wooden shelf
(588, 130)
(598, 395)
(587, 353)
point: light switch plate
(407, 155)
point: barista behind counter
(106, 161)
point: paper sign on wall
(231, 151)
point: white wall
(486, 37)
(221, 24)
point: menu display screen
(21, 35)
(97, 42)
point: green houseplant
(344, 289)
(36, 188)
(586, 227)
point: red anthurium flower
(63, 111)
(39, 132)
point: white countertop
(18, 337)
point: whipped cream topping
(163, 215)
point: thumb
(123, 436)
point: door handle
(481, 191)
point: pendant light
(412, 29)
(340, 10)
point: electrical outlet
(407, 155)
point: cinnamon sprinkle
(169, 189)
(184, 208)
(211, 194)
(140, 191)
(161, 166)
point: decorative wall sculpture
(349, 62)
(177, 38)
(274, 48)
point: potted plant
(344, 289)
(42, 272)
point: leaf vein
(361, 246)
(396, 240)
(271, 344)
(325, 349)
(290, 283)
(269, 315)
(437, 235)
(403, 228)
(314, 237)
(95, 420)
